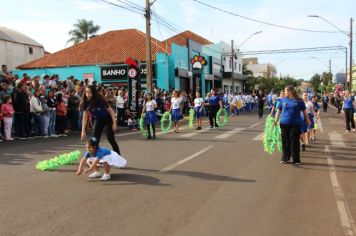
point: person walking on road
(198, 109)
(289, 110)
(214, 104)
(261, 103)
(103, 116)
(325, 101)
(176, 111)
(348, 110)
(151, 119)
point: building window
(239, 67)
(30, 50)
(230, 63)
(235, 65)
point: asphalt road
(211, 182)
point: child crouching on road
(95, 156)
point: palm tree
(83, 30)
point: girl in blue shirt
(289, 110)
(95, 156)
(104, 117)
(215, 104)
(348, 109)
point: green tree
(316, 81)
(246, 71)
(83, 30)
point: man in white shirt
(120, 101)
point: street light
(233, 55)
(322, 79)
(258, 32)
(348, 35)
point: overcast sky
(48, 22)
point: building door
(184, 84)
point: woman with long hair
(149, 107)
(95, 104)
(289, 110)
(176, 110)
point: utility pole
(350, 82)
(232, 66)
(148, 47)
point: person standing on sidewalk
(120, 102)
(348, 110)
(289, 110)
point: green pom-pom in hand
(272, 136)
(191, 118)
(225, 118)
(166, 116)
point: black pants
(213, 109)
(153, 130)
(121, 116)
(60, 124)
(290, 142)
(325, 107)
(260, 110)
(73, 116)
(349, 117)
(339, 107)
(99, 125)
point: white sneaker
(95, 174)
(105, 177)
(353, 131)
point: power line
(263, 22)
(295, 50)
(120, 6)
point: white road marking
(259, 137)
(188, 135)
(254, 125)
(336, 140)
(229, 133)
(347, 221)
(234, 131)
(174, 165)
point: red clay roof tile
(109, 48)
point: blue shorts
(151, 118)
(197, 112)
(311, 118)
(176, 115)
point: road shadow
(134, 179)
(198, 175)
(14, 160)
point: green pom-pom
(166, 116)
(58, 161)
(143, 131)
(191, 118)
(225, 118)
(272, 136)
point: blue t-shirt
(291, 109)
(348, 102)
(276, 104)
(99, 153)
(100, 111)
(316, 107)
(214, 100)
